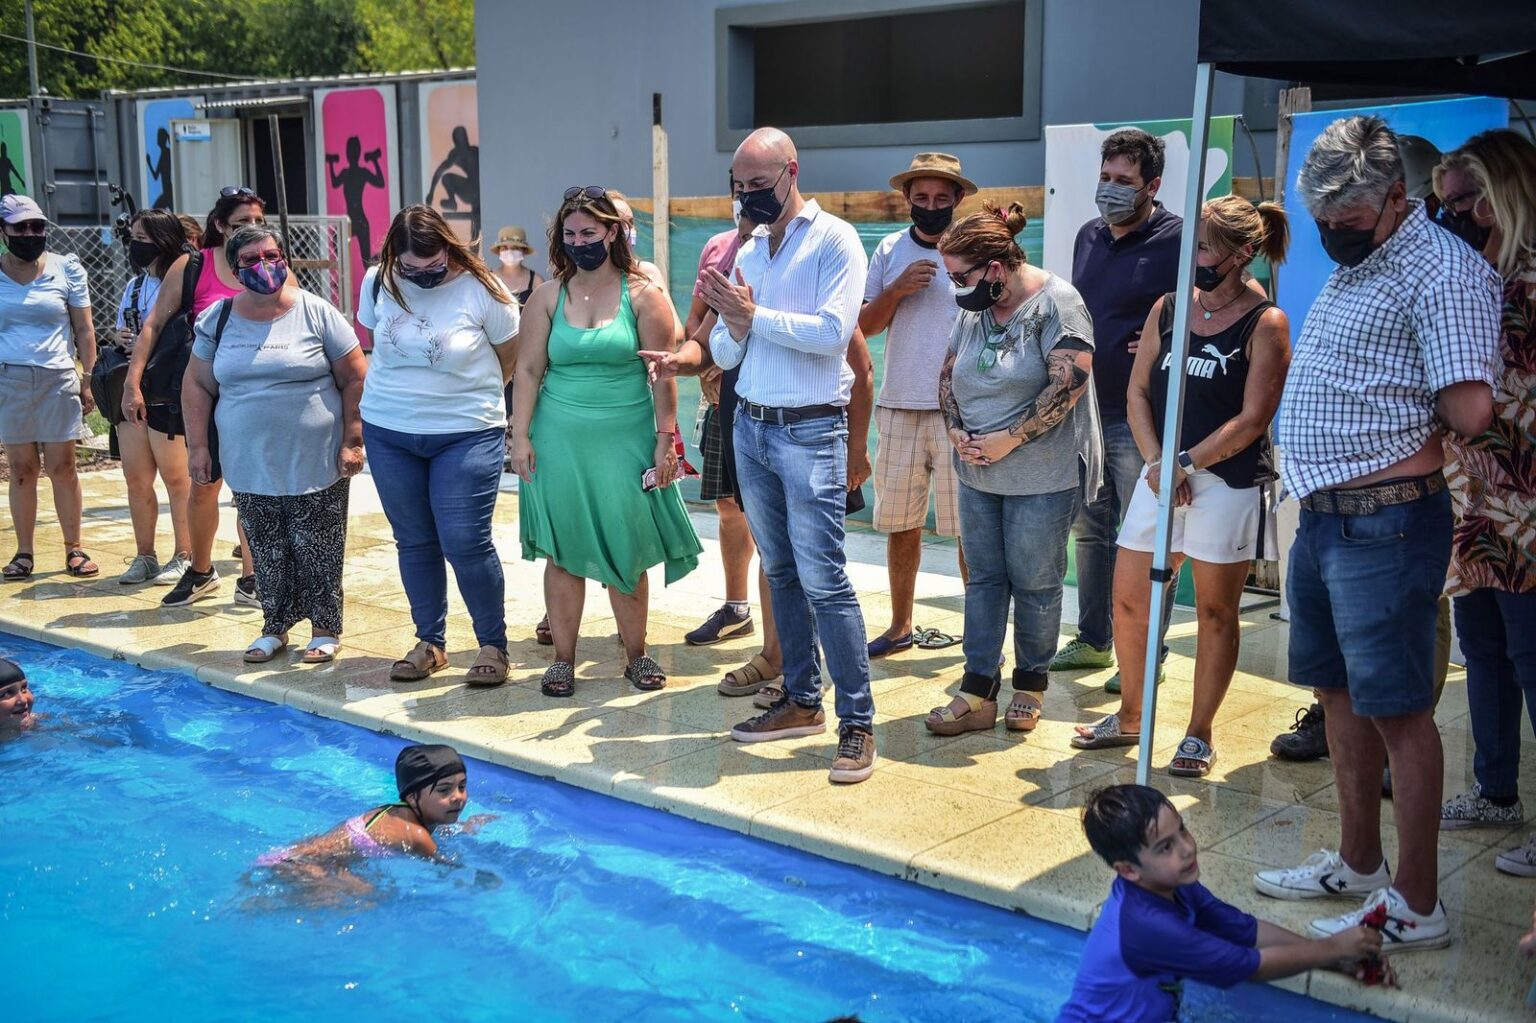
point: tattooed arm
(947, 403)
(1067, 367)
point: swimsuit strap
(381, 811)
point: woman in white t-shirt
(433, 425)
(45, 325)
(158, 444)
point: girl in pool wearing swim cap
(15, 700)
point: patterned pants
(298, 543)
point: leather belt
(782, 416)
(1369, 500)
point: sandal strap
(1193, 748)
(424, 650)
(644, 667)
(1107, 727)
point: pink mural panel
(357, 172)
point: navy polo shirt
(1143, 945)
(1120, 279)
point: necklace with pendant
(1211, 312)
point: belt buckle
(755, 411)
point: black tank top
(1217, 373)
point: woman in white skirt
(1239, 352)
(45, 325)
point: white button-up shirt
(808, 295)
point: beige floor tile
(725, 784)
(1002, 767)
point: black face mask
(26, 247)
(427, 279)
(589, 256)
(1349, 246)
(763, 205)
(932, 222)
(979, 297)
(1208, 278)
(142, 254)
(1464, 227)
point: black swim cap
(420, 766)
(10, 672)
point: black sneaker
(191, 586)
(723, 624)
(246, 591)
(1307, 739)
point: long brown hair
(421, 229)
(986, 236)
(604, 212)
(214, 236)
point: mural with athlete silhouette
(357, 133)
(156, 184)
(15, 153)
(450, 133)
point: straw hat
(512, 238)
(934, 165)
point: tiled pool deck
(990, 816)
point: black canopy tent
(1479, 47)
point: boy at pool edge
(1161, 926)
(15, 700)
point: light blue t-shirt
(34, 318)
(279, 409)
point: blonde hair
(1232, 223)
(987, 236)
(1503, 165)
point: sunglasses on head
(29, 227)
(590, 193)
(242, 190)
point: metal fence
(318, 252)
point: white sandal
(265, 648)
(321, 650)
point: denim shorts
(1363, 592)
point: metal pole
(1173, 420)
(32, 82)
(661, 192)
(282, 181)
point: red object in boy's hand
(1374, 970)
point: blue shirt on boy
(1143, 945)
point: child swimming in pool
(16, 700)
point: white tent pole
(1173, 420)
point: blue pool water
(131, 817)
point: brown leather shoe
(786, 719)
(855, 755)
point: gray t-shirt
(998, 371)
(279, 410)
(919, 333)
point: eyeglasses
(959, 279)
(1453, 202)
(242, 190)
(29, 227)
(998, 341)
(590, 193)
(266, 257)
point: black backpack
(161, 383)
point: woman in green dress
(586, 427)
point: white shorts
(1221, 526)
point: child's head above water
(432, 781)
(15, 698)
(1139, 833)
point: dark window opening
(940, 65)
(295, 139)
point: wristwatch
(1186, 462)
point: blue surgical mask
(264, 278)
(589, 256)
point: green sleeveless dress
(594, 435)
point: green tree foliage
(256, 38)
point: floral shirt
(1493, 475)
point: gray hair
(1354, 161)
(245, 235)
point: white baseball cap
(15, 209)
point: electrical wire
(131, 63)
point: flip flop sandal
(946, 721)
(79, 564)
(264, 649)
(1197, 751)
(20, 568)
(321, 650)
(423, 661)
(490, 668)
(933, 639)
(884, 646)
(748, 678)
(542, 634)
(1106, 734)
(1023, 714)
(645, 674)
(559, 680)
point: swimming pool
(131, 816)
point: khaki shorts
(39, 405)
(914, 456)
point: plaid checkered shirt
(1382, 339)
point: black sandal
(20, 568)
(542, 633)
(645, 674)
(79, 564)
(559, 680)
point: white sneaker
(1324, 875)
(1519, 861)
(1404, 930)
(174, 569)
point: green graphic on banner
(15, 169)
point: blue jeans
(1364, 592)
(439, 492)
(1016, 550)
(1498, 637)
(794, 484)
(1095, 532)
